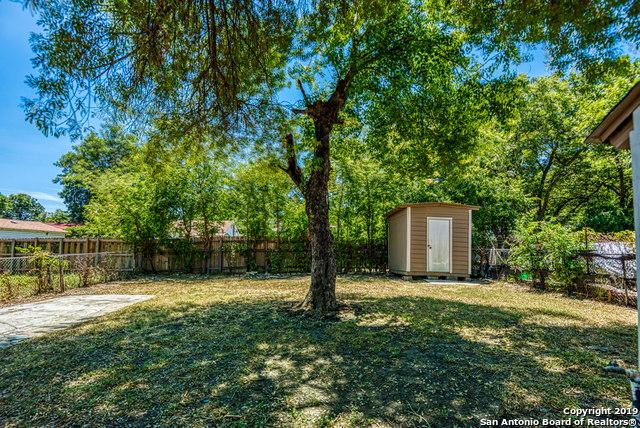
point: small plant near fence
(43, 266)
(288, 256)
(233, 253)
(88, 269)
(6, 288)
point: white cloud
(42, 196)
(50, 201)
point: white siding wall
(24, 234)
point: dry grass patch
(228, 351)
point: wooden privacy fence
(235, 255)
(222, 254)
(11, 247)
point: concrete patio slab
(29, 320)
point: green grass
(14, 288)
(23, 287)
(229, 352)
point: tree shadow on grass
(399, 361)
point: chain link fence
(610, 271)
(611, 274)
(42, 272)
(491, 263)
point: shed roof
(614, 128)
(431, 204)
(30, 226)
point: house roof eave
(615, 126)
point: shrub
(549, 252)
(44, 266)
(6, 287)
(85, 267)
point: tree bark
(321, 297)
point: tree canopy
(412, 88)
(588, 34)
(95, 154)
(21, 206)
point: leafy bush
(549, 252)
(43, 266)
(6, 288)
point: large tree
(21, 206)
(264, 201)
(545, 144)
(404, 70)
(95, 154)
(218, 65)
(4, 205)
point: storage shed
(430, 239)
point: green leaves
(263, 202)
(208, 60)
(428, 109)
(548, 251)
(574, 32)
(95, 154)
(21, 206)
(146, 199)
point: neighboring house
(227, 229)
(63, 226)
(21, 229)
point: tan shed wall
(398, 241)
(460, 239)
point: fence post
(13, 254)
(61, 275)
(221, 254)
(61, 264)
(208, 251)
(624, 280)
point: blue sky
(26, 156)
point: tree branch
(304, 94)
(292, 168)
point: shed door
(438, 244)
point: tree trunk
(321, 297)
